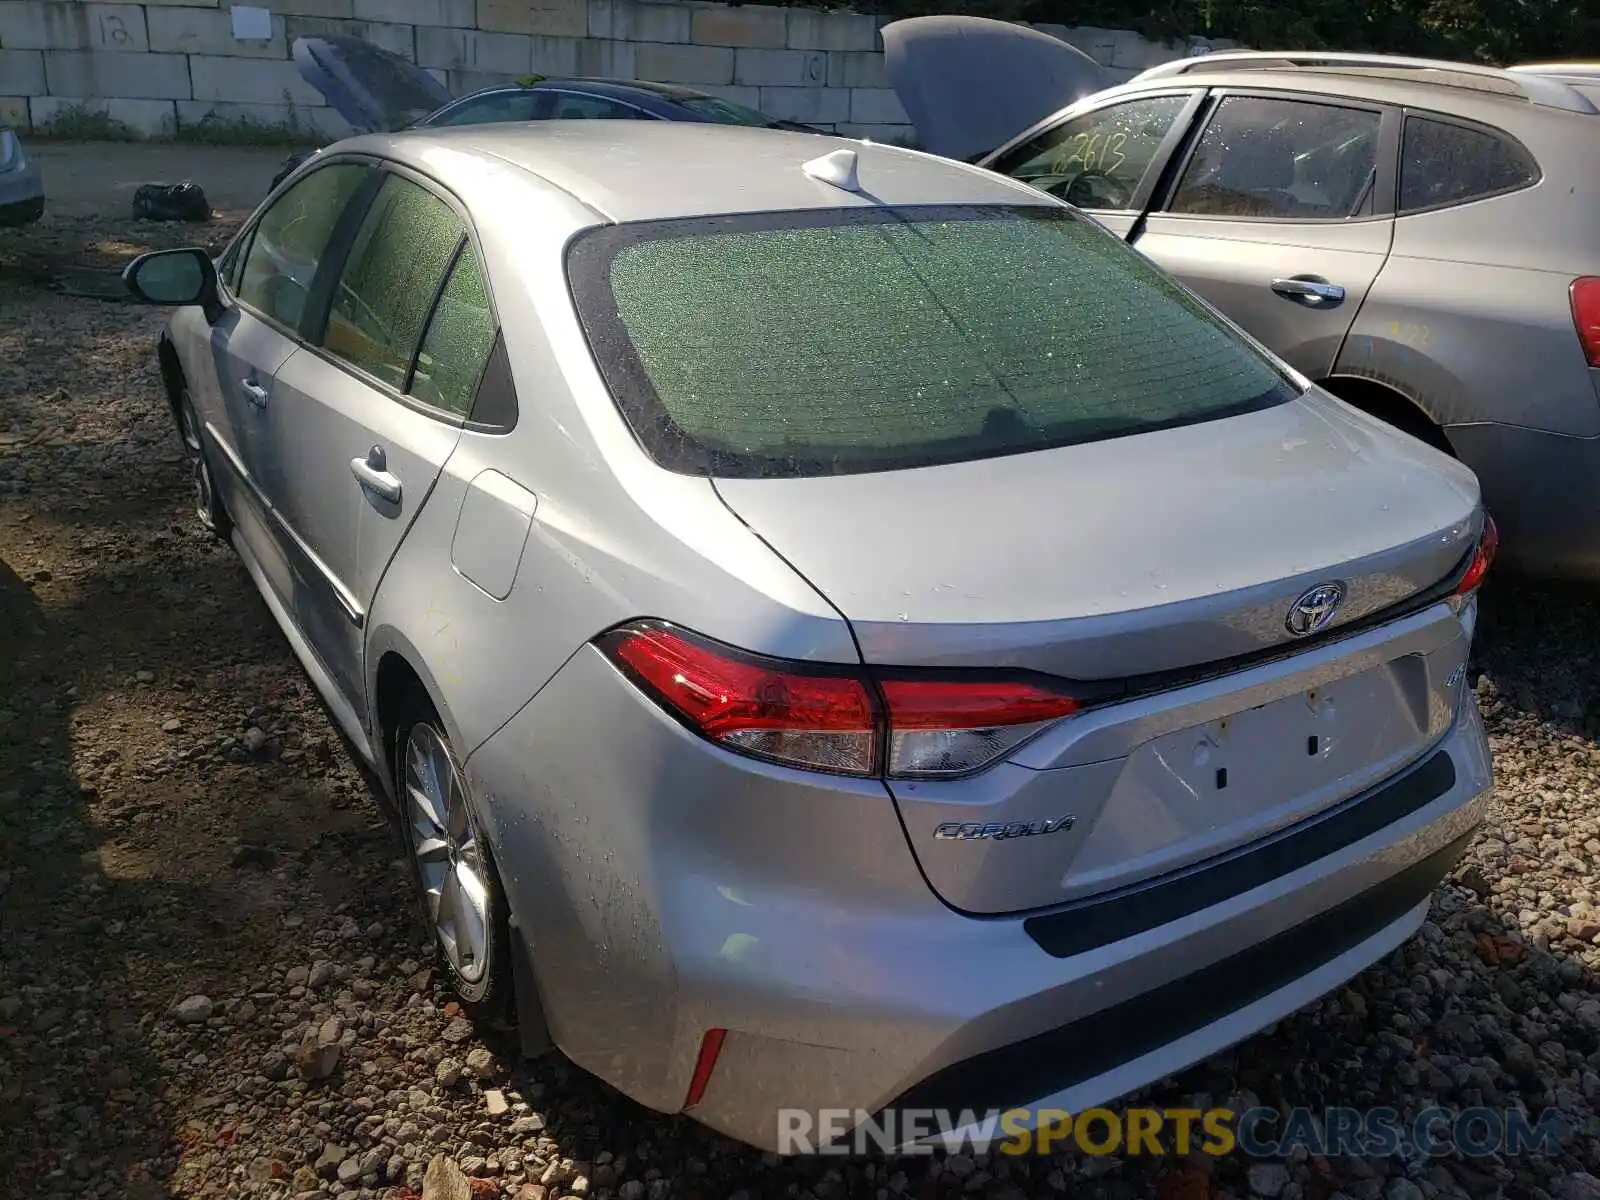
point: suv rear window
(827, 342)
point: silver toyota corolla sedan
(842, 630)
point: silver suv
(1419, 237)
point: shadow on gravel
(139, 866)
(73, 1064)
(1541, 645)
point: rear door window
(290, 239)
(1443, 163)
(834, 341)
(497, 106)
(460, 335)
(724, 112)
(1265, 157)
(575, 106)
(406, 243)
(1098, 160)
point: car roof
(1391, 78)
(615, 89)
(639, 171)
(1482, 94)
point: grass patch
(87, 123)
(81, 123)
(248, 131)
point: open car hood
(370, 87)
(970, 84)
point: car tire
(458, 889)
(208, 506)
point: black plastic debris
(171, 202)
(287, 166)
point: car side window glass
(1263, 157)
(1098, 160)
(399, 257)
(1444, 163)
(572, 106)
(498, 106)
(460, 335)
(289, 241)
(228, 267)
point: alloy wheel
(204, 493)
(448, 852)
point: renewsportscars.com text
(1257, 1132)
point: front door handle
(372, 472)
(1310, 290)
(253, 392)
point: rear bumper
(675, 889)
(1544, 491)
(1092, 1060)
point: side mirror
(174, 278)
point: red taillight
(833, 719)
(710, 1047)
(1482, 558)
(1586, 315)
(770, 710)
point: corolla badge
(999, 831)
(1315, 610)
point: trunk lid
(1129, 556)
(373, 89)
(970, 84)
(1139, 555)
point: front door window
(1098, 160)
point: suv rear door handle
(372, 472)
(253, 392)
(1309, 289)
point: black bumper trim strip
(1025, 1071)
(1109, 918)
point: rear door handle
(1310, 290)
(372, 472)
(253, 392)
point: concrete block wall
(162, 67)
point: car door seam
(347, 600)
(399, 542)
(1176, 145)
(1394, 145)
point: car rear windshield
(827, 342)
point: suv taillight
(1482, 558)
(906, 725)
(1586, 315)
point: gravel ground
(212, 977)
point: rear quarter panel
(1470, 316)
(611, 537)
